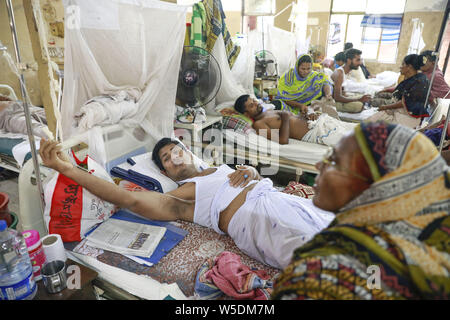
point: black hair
(339, 57)
(352, 53)
(159, 145)
(348, 45)
(414, 60)
(429, 54)
(239, 105)
(305, 59)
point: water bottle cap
(3, 225)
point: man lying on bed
(307, 127)
(264, 223)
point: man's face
(429, 66)
(178, 163)
(304, 69)
(334, 186)
(252, 108)
(355, 62)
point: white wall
(319, 5)
(425, 5)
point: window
(373, 26)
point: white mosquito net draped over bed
(130, 45)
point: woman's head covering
(408, 172)
(399, 226)
(292, 87)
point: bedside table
(86, 292)
(199, 132)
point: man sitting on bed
(281, 125)
(264, 223)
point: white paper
(126, 238)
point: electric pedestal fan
(199, 81)
(266, 67)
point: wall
(318, 22)
(6, 75)
(431, 13)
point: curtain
(123, 45)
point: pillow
(224, 105)
(298, 189)
(145, 165)
(238, 124)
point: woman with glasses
(390, 237)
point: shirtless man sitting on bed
(266, 224)
(288, 125)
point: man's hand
(52, 157)
(312, 116)
(329, 97)
(303, 109)
(365, 98)
(242, 176)
(382, 108)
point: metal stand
(12, 24)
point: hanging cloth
(215, 26)
(198, 26)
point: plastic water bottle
(16, 273)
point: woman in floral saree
(299, 86)
(390, 189)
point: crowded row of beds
(174, 274)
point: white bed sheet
(295, 150)
(360, 116)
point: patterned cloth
(198, 26)
(226, 274)
(215, 25)
(291, 87)
(231, 119)
(299, 189)
(390, 242)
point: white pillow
(146, 166)
(224, 105)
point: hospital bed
(174, 275)
(296, 156)
(8, 141)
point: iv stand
(12, 24)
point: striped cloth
(215, 25)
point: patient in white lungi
(266, 224)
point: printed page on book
(126, 237)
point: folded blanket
(225, 274)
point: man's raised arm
(152, 205)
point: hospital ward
(224, 151)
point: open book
(128, 238)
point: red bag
(71, 210)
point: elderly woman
(298, 87)
(406, 105)
(390, 238)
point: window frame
(363, 32)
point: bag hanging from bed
(71, 210)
